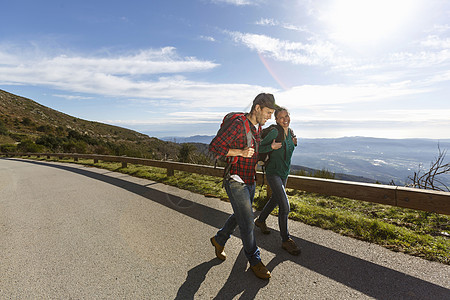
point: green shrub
(50, 141)
(29, 146)
(8, 148)
(74, 147)
(45, 128)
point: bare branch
(429, 180)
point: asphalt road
(73, 232)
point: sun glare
(358, 22)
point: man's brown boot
(220, 253)
(261, 271)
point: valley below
(362, 159)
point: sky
(175, 68)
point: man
(240, 182)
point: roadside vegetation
(417, 233)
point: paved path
(70, 231)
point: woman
(277, 172)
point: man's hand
(276, 145)
(248, 152)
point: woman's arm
(268, 144)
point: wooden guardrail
(425, 200)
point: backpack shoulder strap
(292, 135)
(248, 132)
(280, 137)
(251, 140)
(292, 132)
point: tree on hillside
(185, 153)
(189, 153)
(45, 128)
(431, 179)
(27, 121)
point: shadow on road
(195, 278)
(366, 277)
(238, 281)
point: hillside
(24, 120)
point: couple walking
(233, 143)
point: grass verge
(409, 231)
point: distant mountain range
(204, 139)
(370, 159)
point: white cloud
(164, 60)
(184, 117)
(422, 63)
(421, 59)
(317, 53)
(272, 22)
(207, 38)
(319, 95)
(313, 105)
(121, 76)
(441, 28)
(436, 42)
(181, 91)
(295, 27)
(72, 97)
(236, 2)
(418, 115)
(267, 22)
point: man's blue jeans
(279, 197)
(241, 197)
